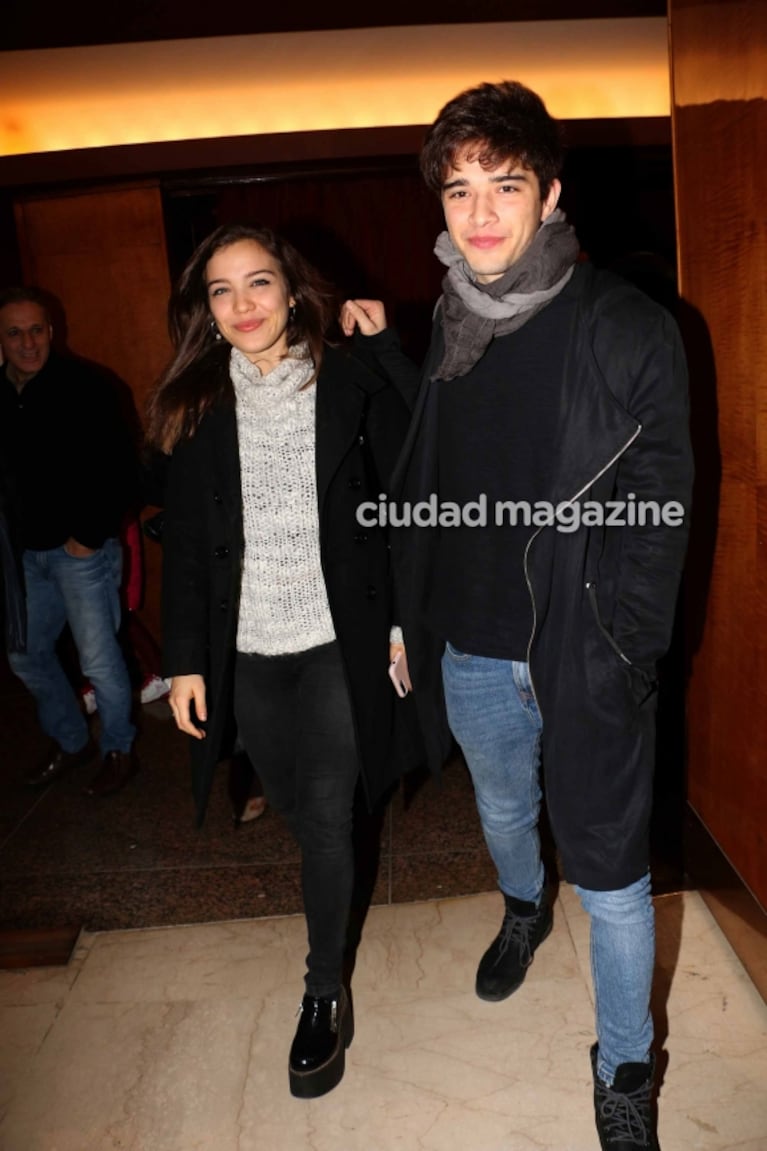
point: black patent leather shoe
(317, 1055)
(57, 762)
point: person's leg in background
(147, 657)
(40, 670)
(90, 589)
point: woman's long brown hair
(194, 380)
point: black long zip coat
(361, 423)
(603, 597)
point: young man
(67, 472)
(552, 425)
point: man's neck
(18, 379)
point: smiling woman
(277, 610)
(250, 302)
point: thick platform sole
(320, 1080)
(497, 996)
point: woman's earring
(292, 313)
(213, 328)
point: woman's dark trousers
(295, 721)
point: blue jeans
(494, 717)
(84, 593)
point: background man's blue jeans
(83, 592)
(494, 717)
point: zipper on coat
(591, 588)
(565, 503)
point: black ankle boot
(317, 1055)
(504, 965)
(624, 1112)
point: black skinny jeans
(295, 721)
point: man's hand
(186, 690)
(398, 668)
(367, 315)
(80, 551)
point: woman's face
(249, 301)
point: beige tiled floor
(175, 1039)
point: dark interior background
(370, 226)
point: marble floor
(175, 1039)
(169, 1026)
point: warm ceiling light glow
(732, 68)
(56, 99)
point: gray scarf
(473, 314)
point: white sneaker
(154, 688)
(89, 700)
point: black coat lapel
(343, 386)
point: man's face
(492, 214)
(25, 339)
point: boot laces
(626, 1115)
(518, 930)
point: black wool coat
(603, 596)
(361, 422)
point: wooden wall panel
(103, 255)
(719, 80)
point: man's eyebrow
(461, 181)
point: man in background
(67, 471)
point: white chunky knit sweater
(283, 602)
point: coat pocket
(643, 682)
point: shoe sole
(312, 1084)
(507, 991)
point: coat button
(361, 538)
(360, 438)
(372, 592)
(223, 604)
(221, 552)
(355, 482)
(217, 499)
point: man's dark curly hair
(494, 123)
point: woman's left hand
(367, 315)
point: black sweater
(497, 428)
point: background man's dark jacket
(66, 454)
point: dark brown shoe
(57, 762)
(117, 769)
